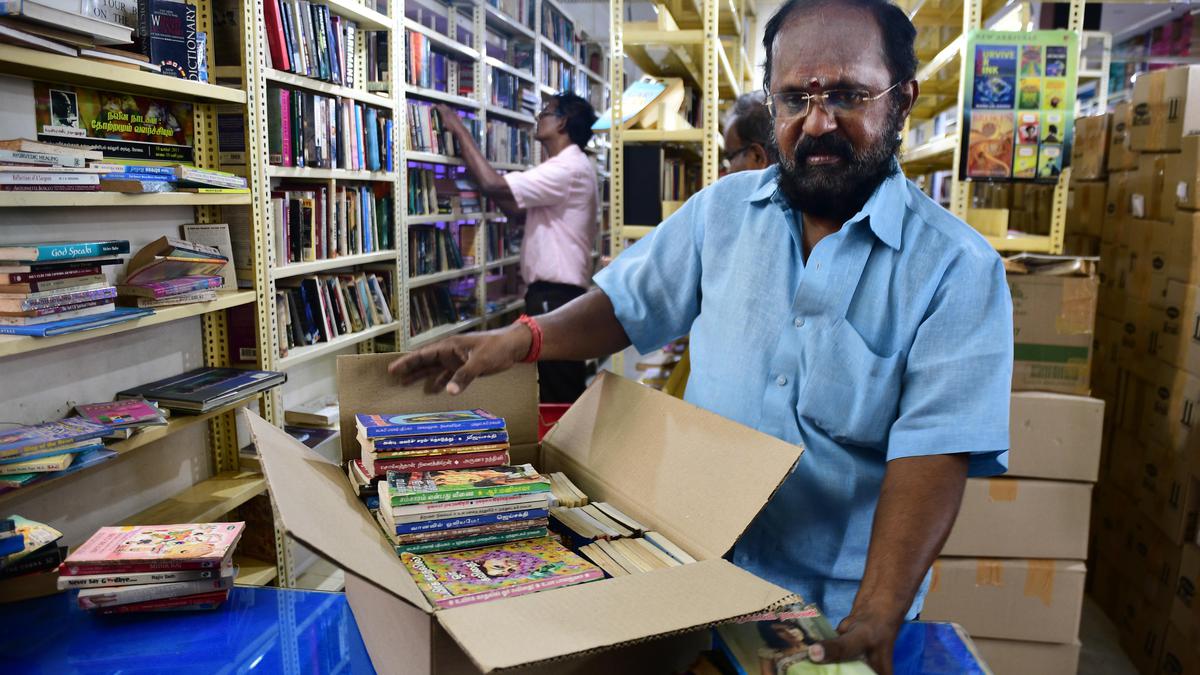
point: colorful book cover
(382, 455)
(440, 535)
(40, 465)
(122, 413)
(995, 76)
(49, 435)
(458, 484)
(1056, 94)
(461, 578)
(1025, 161)
(1028, 128)
(471, 521)
(158, 288)
(83, 460)
(77, 324)
(1050, 161)
(1029, 96)
(132, 544)
(49, 453)
(1056, 61)
(990, 150)
(778, 642)
(36, 536)
(1031, 61)
(411, 513)
(375, 426)
(466, 460)
(1053, 124)
(62, 250)
(472, 541)
(120, 125)
(437, 441)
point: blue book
(375, 426)
(388, 129)
(440, 441)
(372, 142)
(51, 452)
(372, 501)
(358, 134)
(136, 169)
(82, 323)
(13, 544)
(470, 521)
(364, 217)
(202, 389)
(50, 435)
(62, 250)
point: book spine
(169, 287)
(133, 170)
(523, 589)
(470, 521)
(125, 595)
(440, 441)
(53, 463)
(74, 569)
(494, 528)
(218, 179)
(414, 498)
(471, 542)
(77, 250)
(104, 580)
(48, 178)
(51, 284)
(40, 158)
(61, 299)
(414, 512)
(438, 462)
(35, 563)
(196, 601)
(434, 427)
(46, 275)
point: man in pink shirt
(557, 199)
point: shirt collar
(883, 211)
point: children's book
(777, 642)
(375, 426)
(121, 413)
(458, 484)
(49, 435)
(461, 578)
(990, 153)
(137, 544)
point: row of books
(153, 568)
(426, 133)
(508, 143)
(516, 52)
(520, 11)
(558, 28)
(504, 239)
(307, 39)
(313, 224)
(306, 129)
(430, 69)
(379, 66)
(438, 305)
(436, 188)
(433, 249)
(556, 73)
(680, 179)
(29, 558)
(320, 308)
(511, 92)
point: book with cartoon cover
(777, 642)
(375, 426)
(419, 487)
(461, 578)
(49, 435)
(134, 544)
(990, 150)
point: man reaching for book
(829, 303)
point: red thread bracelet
(535, 346)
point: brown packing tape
(989, 573)
(1078, 314)
(1039, 581)
(937, 576)
(1002, 490)
(1158, 105)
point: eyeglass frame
(726, 157)
(823, 97)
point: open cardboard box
(694, 476)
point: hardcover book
(402, 488)
(465, 577)
(208, 543)
(203, 389)
(375, 426)
(164, 28)
(75, 325)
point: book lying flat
(433, 441)
(375, 426)
(136, 544)
(203, 389)
(97, 598)
(77, 324)
(461, 578)
(420, 487)
(62, 250)
(48, 435)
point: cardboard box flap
(697, 477)
(314, 502)
(365, 386)
(595, 616)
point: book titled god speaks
(195, 543)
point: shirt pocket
(852, 393)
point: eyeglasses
(793, 104)
(730, 156)
(547, 113)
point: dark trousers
(560, 381)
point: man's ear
(758, 156)
(913, 89)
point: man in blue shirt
(829, 303)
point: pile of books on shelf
(52, 288)
(322, 307)
(32, 454)
(147, 177)
(204, 389)
(29, 558)
(305, 129)
(31, 166)
(150, 568)
(171, 271)
(307, 39)
(311, 224)
(512, 93)
(124, 417)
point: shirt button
(798, 322)
(781, 380)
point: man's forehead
(826, 46)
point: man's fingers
(471, 368)
(850, 646)
(436, 382)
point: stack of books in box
(170, 271)
(29, 454)
(48, 288)
(151, 568)
(30, 555)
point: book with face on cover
(375, 426)
(419, 487)
(777, 642)
(138, 544)
(459, 578)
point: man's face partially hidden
(831, 160)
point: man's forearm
(585, 328)
(918, 503)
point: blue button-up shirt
(893, 340)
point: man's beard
(837, 191)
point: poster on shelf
(1019, 107)
(122, 126)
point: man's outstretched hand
(455, 362)
(866, 638)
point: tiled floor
(1101, 653)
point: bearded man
(829, 303)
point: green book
(424, 487)
(471, 542)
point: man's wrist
(520, 338)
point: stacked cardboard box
(1087, 193)
(1147, 368)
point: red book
(466, 460)
(182, 602)
(275, 36)
(285, 116)
(50, 188)
(70, 570)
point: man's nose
(819, 121)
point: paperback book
(206, 544)
(433, 441)
(48, 435)
(375, 426)
(419, 487)
(77, 324)
(779, 641)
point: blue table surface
(267, 630)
